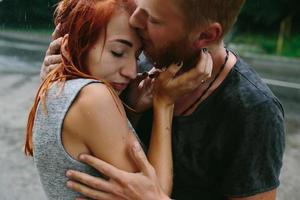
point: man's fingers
(54, 46)
(52, 60)
(140, 159)
(46, 69)
(52, 67)
(57, 32)
(96, 183)
(103, 167)
(91, 193)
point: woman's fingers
(170, 72)
(200, 73)
(209, 66)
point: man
(228, 134)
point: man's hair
(202, 12)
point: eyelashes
(120, 55)
(116, 54)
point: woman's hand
(139, 94)
(168, 87)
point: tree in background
(266, 15)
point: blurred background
(267, 35)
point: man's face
(161, 26)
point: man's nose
(138, 19)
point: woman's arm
(97, 120)
(174, 87)
(160, 147)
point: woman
(76, 109)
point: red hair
(83, 21)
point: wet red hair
(83, 21)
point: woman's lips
(119, 86)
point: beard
(173, 52)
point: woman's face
(116, 61)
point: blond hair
(203, 12)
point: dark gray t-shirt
(232, 145)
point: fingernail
(145, 74)
(69, 173)
(180, 64)
(69, 184)
(154, 75)
(81, 157)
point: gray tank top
(50, 157)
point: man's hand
(52, 58)
(121, 185)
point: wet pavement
(20, 61)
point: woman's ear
(208, 36)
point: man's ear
(210, 35)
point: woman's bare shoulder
(95, 102)
(98, 120)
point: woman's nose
(130, 70)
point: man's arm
(121, 185)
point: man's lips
(119, 86)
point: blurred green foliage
(266, 43)
(27, 14)
(256, 14)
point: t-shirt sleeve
(257, 159)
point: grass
(267, 43)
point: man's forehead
(159, 8)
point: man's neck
(218, 54)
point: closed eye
(153, 20)
(116, 54)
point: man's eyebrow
(126, 42)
